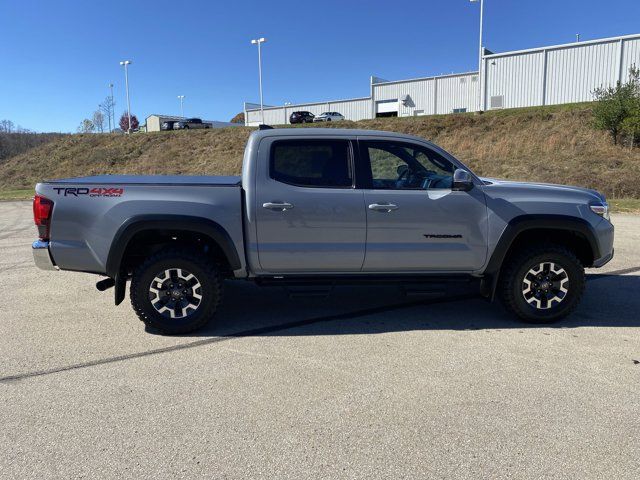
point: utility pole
(109, 112)
(259, 42)
(126, 63)
(181, 97)
(480, 62)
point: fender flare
(521, 224)
(141, 223)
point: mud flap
(120, 288)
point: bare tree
(107, 108)
(98, 121)
(7, 126)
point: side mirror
(462, 181)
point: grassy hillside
(550, 144)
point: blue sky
(57, 57)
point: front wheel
(542, 284)
(176, 291)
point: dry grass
(549, 144)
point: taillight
(42, 208)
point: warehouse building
(525, 78)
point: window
(312, 163)
(459, 110)
(405, 166)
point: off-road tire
(195, 263)
(512, 284)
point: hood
(544, 186)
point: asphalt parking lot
(365, 384)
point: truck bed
(182, 180)
(89, 212)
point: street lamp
(259, 42)
(111, 112)
(125, 63)
(181, 97)
(480, 79)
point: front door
(309, 216)
(415, 221)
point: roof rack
(262, 126)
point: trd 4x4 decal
(91, 192)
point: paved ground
(366, 384)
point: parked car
(168, 125)
(189, 123)
(301, 117)
(324, 206)
(329, 117)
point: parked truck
(321, 207)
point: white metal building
(540, 76)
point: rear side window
(312, 163)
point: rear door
(309, 215)
(415, 221)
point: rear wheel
(542, 284)
(176, 291)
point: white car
(329, 117)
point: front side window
(312, 163)
(405, 166)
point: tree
(124, 122)
(86, 126)
(239, 118)
(107, 107)
(98, 121)
(7, 126)
(614, 104)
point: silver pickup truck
(320, 207)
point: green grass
(625, 205)
(20, 194)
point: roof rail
(262, 126)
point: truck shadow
(247, 310)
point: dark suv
(190, 123)
(301, 117)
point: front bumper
(41, 255)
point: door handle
(279, 206)
(383, 207)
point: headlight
(601, 209)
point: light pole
(125, 63)
(480, 79)
(259, 42)
(111, 112)
(181, 97)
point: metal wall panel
(459, 91)
(574, 72)
(517, 78)
(420, 92)
(355, 109)
(630, 56)
(359, 109)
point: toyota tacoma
(321, 207)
